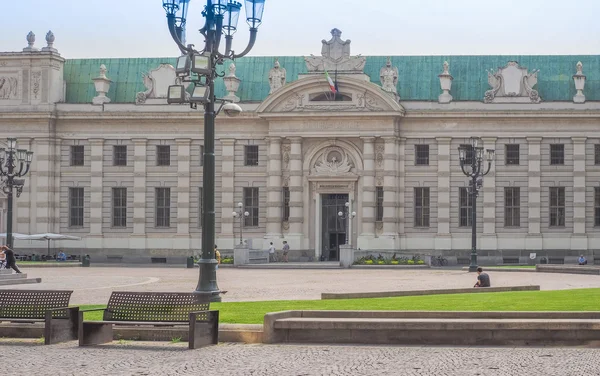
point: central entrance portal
(334, 228)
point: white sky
(137, 28)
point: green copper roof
(418, 76)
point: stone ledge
(374, 266)
(575, 269)
(387, 294)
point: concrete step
(5, 271)
(295, 265)
(20, 281)
(5, 277)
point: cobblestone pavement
(94, 285)
(30, 358)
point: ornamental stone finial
(232, 84)
(446, 84)
(50, 40)
(102, 85)
(30, 42)
(579, 79)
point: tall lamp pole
(14, 163)
(198, 67)
(472, 165)
(241, 214)
(347, 215)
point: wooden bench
(45, 306)
(164, 309)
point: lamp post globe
(221, 19)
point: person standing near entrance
(272, 256)
(286, 250)
(11, 261)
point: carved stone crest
(512, 84)
(379, 151)
(285, 150)
(335, 55)
(277, 77)
(9, 87)
(157, 83)
(334, 161)
(36, 84)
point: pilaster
(43, 179)
(274, 189)
(296, 189)
(139, 186)
(488, 240)
(96, 186)
(368, 188)
(183, 186)
(228, 206)
(401, 190)
(390, 203)
(443, 220)
(534, 192)
(579, 181)
(23, 203)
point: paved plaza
(128, 358)
(94, 285)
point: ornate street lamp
(471, 162)
(347, 215)
(199, 68)
(14, 163)
(241, 214)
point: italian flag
(331, 83)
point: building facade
(117, 166)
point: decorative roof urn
(446, 84)
(232, 84)
(579, 79)
(102, 84)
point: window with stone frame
(251, 205)
(163, 155)
(597, 154)
(200, 207)
(379, 204)
(119, 207)
(163, 207)
(597, 206)
(251, 155)
(557, 206)
(512, 152)
(512, 207)
(120, 155)
(422, 207)
(422, 155)
(285, 194)
(76, 206)
(465, 207)
(557, 154)
(77, 157)
(469, 154)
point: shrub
(381, 262)
(369, 262)
(227, 260)
(394, 262)
(410, 262)
(420, 262)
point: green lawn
(562, 300)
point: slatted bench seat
(153, 309)
(40, 306)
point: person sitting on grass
(582, 260)
(483, 280)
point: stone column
(488, 240)
(296, 191)
(96, 186)
(367, 232)
(401, 190)
(390, 204)
(139, 188)
(183, 189)
(534, 237)
(444, 238)
(579, 240)
(274, 189)
(228, 206)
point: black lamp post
(471, 162)
(14, 163)
(241, 214)
(198, 67)
(347, 215)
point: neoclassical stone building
(119, 167)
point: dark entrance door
(334, 228)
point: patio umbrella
(48, 237)
(15, 236)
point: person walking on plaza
(217, 256)
(272, 256)
(286, 250)
(11, 261)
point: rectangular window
(557, 207)
(163, 155)
(512, 207)
(597, 154)
(120, 155)
(469, 154)
(119, 215)
(512, 154)
(557, 154)
(77, 155)
(422, 207)
(422, 155)
(597, 206)
(465, 207)
(286, 203)
(201, 155)
(251, 155)
(379, 204)
(201, 206)
(251, 203)
(76, 207)
(163, 207)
